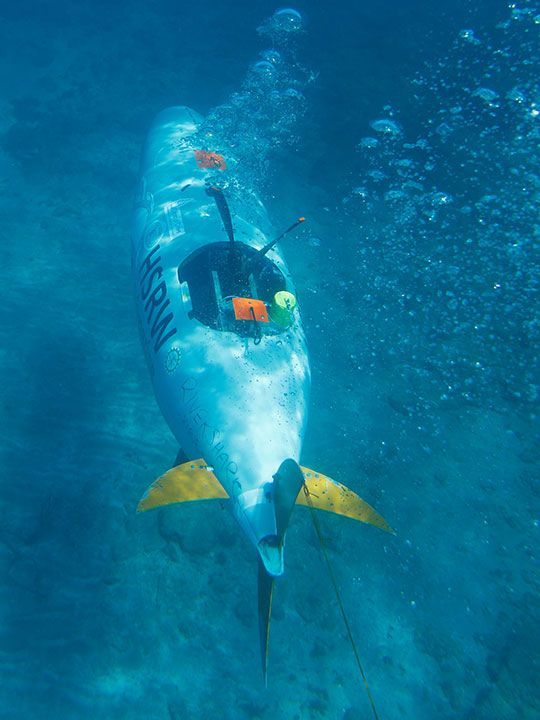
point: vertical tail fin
(287, 484)
(265, 588)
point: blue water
(411, 145)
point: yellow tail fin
(190, 481)
(327, 494)
(195, 480)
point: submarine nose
(271, 552)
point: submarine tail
(286, 486)
(195, 480)
(288, 482)
(292, 485)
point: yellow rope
(340, 602)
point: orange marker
(208, 160)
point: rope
(340, 602)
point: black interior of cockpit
(220, 271)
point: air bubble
(385, 126)
(441, 198)
(259, 118)
(271, 56)
(360, 192)
(264, 69)
(393, 195)
(444, 130)
(468, 36)
(288, 20)
(282, 24)
(489, 96)
(368, 143)
(516, 95)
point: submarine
(221, 330)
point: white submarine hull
(236, 399)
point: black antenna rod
(223, 208)
(271, 244)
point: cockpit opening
(219, 274)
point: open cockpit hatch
(225, 280)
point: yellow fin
(327, 494)
(190, 481)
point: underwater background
(408, 135)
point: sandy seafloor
(422, 325)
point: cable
(340, 602)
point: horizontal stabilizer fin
(327, 494)
(193, 480)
